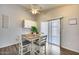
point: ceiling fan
(34, 9)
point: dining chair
(41, 45)
(24, 46)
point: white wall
(16, 15)
(69, 33)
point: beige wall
(69, 33)
(16, 15)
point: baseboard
(3, 46)
(69, 50)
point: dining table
(31, 38)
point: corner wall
(16, 15)
(69, 33)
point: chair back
(43, 40)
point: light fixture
(35, 9)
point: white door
(44, 28)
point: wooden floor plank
(10, 50)
(65, 51)
(13, 50)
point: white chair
(41, 45)
(24, 46)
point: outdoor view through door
(52, 30)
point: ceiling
(42, 7)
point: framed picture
(5, 21)
(73, 21)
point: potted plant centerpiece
(34, 30)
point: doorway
(52, 30)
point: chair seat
(42, 44)
(25, 42)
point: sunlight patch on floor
(52, 49)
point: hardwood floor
(68, 52)
(51, 50)
(10, 50)
(56, 50)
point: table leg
(32, 48)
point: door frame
(60, 28)
(56, 18)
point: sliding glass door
(52, 30)
(49, 32)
